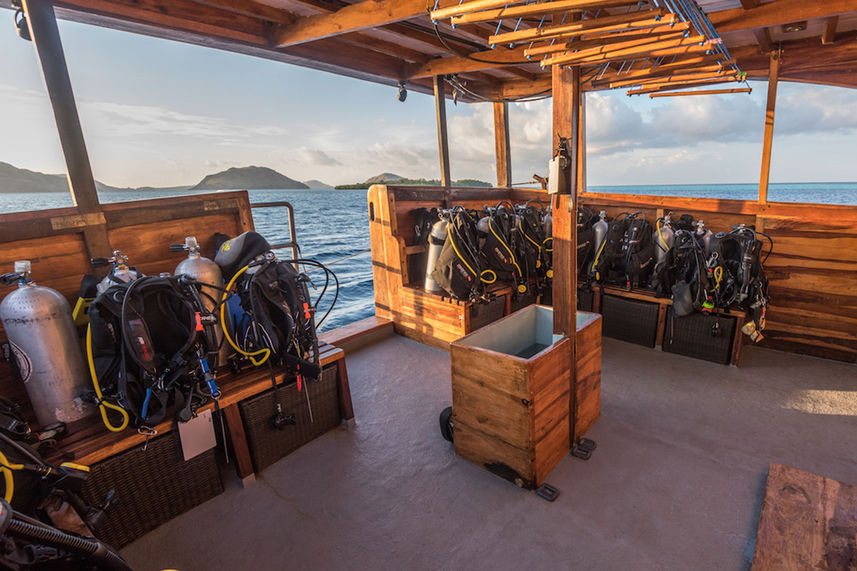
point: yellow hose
(658, 225)
(266, 352)
(102, 404)
(9, 478)
(511, 255)
(534, 243)
(460, 257)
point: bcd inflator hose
(102, 404)
(254, 355)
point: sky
(161, 113)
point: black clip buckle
(584, 449)
(547, 492)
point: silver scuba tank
(548, 225)
(45, 343)
(120, 273)
(704, 236)
(600, 228)
(205, 271)
(437, 238)
(664, 238)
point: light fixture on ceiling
(794, 27)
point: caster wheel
(446, 428)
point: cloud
(126, 120)
(316, 157)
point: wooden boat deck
(677, 480)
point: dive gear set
(277, 325)
(469, 250)
(700, 270)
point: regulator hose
(252, 355)
(103, 405)
(91, 549)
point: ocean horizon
(333, 224)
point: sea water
(334, 224)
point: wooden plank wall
(53, 241)
(812, 270)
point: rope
(349, 256)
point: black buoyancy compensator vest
(144, 336)
(277, 298)
(685, 274)
(737, 270)
(501, 249)
(586, 218)
(460, 270)
(531, 229)
(602, 268)
(637, 253)
(424, 219)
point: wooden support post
(501, 139)
(43, 28)
(767, 143)
(240, 447)
(442, 138)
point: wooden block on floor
(807, 522)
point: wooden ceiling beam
(488, 59)
(749, 4)
(352, 18)
(763, 38)
(829, 35)
(252, 9)
(778, 13)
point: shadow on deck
(677, 480)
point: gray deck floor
(676, 483)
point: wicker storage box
(695, 336)
(630, 320)
(152, 487)
(481, 314)
(269, 444)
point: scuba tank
(436, 239)
(704, 237)
(600, 228)
(664, 238)
(43, 337)
(120, 273)
(207, 273)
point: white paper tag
(197, 435)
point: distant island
(390, 178)
(17, 180)
(246, 178)
(314, 184)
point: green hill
(248, 178)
